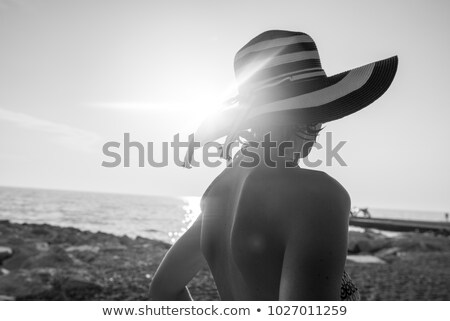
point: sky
(75, 75)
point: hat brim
(332, 98)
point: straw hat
(280, 81)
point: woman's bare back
(247, 225)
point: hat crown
(275, 56)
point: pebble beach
(45, 262)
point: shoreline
(47, 262)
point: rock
(5, 253)
(83, 256)
(353, 239)
(78, 283)
(83, 248)
(366, 242)
(126, 240)
(362, 246)
(114, 247)
(415, 242)
(3, 272)
(46, 274)
(100, 237)
(379, 244)
(16, 241)
(55, 257)
(70, 236)
(77, 288)
(50, 284)
(23, 283)
(40, 230)
(22, 253)
(426, 246)
(365, 259)
(42, 246)
(388, 252)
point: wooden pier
(401, 225)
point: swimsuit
(349, 291)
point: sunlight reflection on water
(192, 211)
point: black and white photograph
(224, 151)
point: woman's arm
(183, 260)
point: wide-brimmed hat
(280, 80)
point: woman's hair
(278, 133)
(281, 133)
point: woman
(270, 230)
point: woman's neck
(268, 157)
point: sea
(157, 217)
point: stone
(13, 241)
(23, 283)
(414, 242)
(83, 256)
(78, 288)
(3, 272)
(83, 248)
(126, 240)
(365, 259)
(22, 253)
(426, 246)
(388, 252)
(77, 283)
(379, 244)
(114, 247)
(42, 246)
(40, 230)
(366, 242)
(46, 275)
(55, 257)
(363, 246)
(5, 253)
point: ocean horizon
(163, 218)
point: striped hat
(280, 81)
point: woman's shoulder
(320, 182)
(271, 188)
(319, 186)
(314, 182)
(298, 190)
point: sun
(202, 102)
